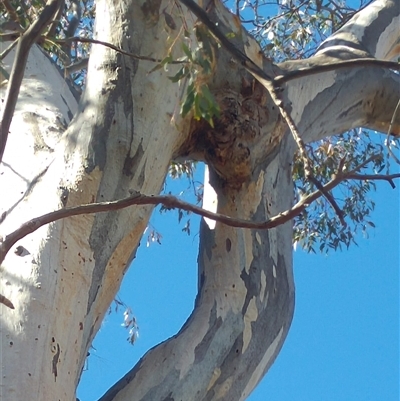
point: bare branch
(111, 46)
(8, 49)
(396, 110)
(10, 36)
(56, 20)
(76, 66)
(25, 42)
(79, 65)
(373, 177)
(318, 69)
(247, 63)
(171, 202)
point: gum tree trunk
(122, 137)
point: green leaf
(182, 73)
(162, 64)
(197, 110)
(187, 51)
(209, 96)
(189, 100)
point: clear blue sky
(344, 341)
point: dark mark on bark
(64, 195)
(142, 176)
(69, 112)
(55, 362)
(131, 163)
(21, 251)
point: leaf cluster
(198, 69)
(195, 72)
(318, 227)
(18, 15)
(293, 29)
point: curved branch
(171, 202)
(318, 69)
(375, 177)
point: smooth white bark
(69, 272)
(122, 138)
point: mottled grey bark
(246, 292)
(122, 138)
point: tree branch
(318, 69)
(5, 301)
(247, 63)
(4, 53)
(273, 86)
(25, 42)
(11, 11)
(111, 46)
(388, 144)
(171, 202)
(372, 177)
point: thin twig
(307, 163)
(111, 46)
(373, 177)
(25, 43)
(56, 20)
(4, 53)
(396, 110)
(320, 68)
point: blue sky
(344, 341)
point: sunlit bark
(123, 136)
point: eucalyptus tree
(172, 82)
